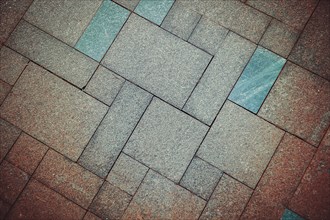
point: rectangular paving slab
(156, 60)
(8, 136)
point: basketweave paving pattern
(165, 109)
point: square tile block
(154, 11)
(201, 178)
(65, 20)
(127, 174)
(129, 4)
(240, 143)
(4, 90)
(165, 139)
(8, 136)
(299, 103)
(156, 60)
(110, 137)
(52, 54)
(102, 30)
(160, 198)
(257, 79)
(51, 110)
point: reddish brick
(4, 208)
(27, 153)
(68, 178)
(39, 202)
(8, 136)
(91, 216)
(280, 180)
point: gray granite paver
(8, 136)
(4, 90)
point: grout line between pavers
(200, 18)
(168, 11)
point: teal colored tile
(257, 79)
(289, 215)
(102, 30)
(154, 10)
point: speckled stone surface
(127, 174)
(160, 198)
(110, 202)
(91, 216)
(290, 215)
(154, 11)
(8, 136)
(280, 180)
(201, 178)
(257, 79)
(51, 110)
(104, 85)
(102, 30)
(65, 20)
(299, 103)
(234, 146)
(312, 50)
(219, 78)
(156, 60)
(11, 65)
(38, 201)
(208, 35)
(110, 137)
(227, 201)
(4, 208)
(4, 90)
(165, 139)
(129, 4)
(57, 57)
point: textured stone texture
(165, 139)
(159, 198)
(65, 20)
(54, 55)
(68, 178)
(154, 11)
(201, 178)
(129, 4)
(227, 201)
(11, 65)
(127, 174)
(27, 153)
(279, 38)
(158, 61)
(110, 137)
(4, 90)
(91, 216)
(312, 49)
(181, 21)
(52, 111)
(219, 78)
(4, 208)
(110, 202)
(280, 180)
(208, 35)
(289, 215)
(8, 136)
(240, 143)
(299, 103)
(39, 202)
(104, 85)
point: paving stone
(165, 139)
(54, 55)
(51, 110)
(110, 202)
(91, 216)
(160, 198)
(240, 143)
(4, 90)
(257, 79)
(201, 178)
(219, 78)
(65, 20)
(27, 153)
(129, 4)
(227, 201)
(289, 215)
(279, 38)
(312, 49)
(8, 136)
(68, 178)
(280, 180)
(312, 198)
(181, 21)
(12, 182)
(127, 174)
(156, 60)
(154, 11)
(11, 65)
(208, 35)
(299, 103)
(102, 30)
(39, 202)
(4, 208)
(10, 13)
(104, 85)
(110, 137)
